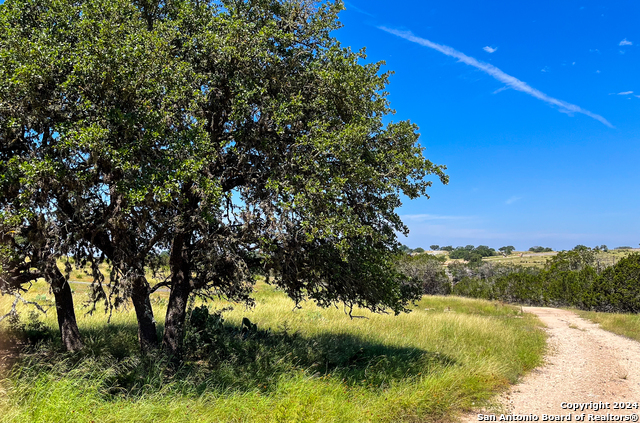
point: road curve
(584, 364)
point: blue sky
(532, 105)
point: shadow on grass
(226, 358)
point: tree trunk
(175, 319)
(69, 331)
(178, 299)
(147, 336)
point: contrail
(511, 81)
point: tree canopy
(239, 136)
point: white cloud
(351, 6)
(625, 42)
(500, 90)
(545, 69)
(512, 200)
(496, 73)
(625, 93)
(489, 49)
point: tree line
(576, 278)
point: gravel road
(584, 364)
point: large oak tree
(237, 135)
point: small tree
(434, 247)
(507, 250)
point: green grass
(622, 324)
(306, 365)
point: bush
(426, 270)
(569, 279)
(538, 249)
(618, 287)
(570, 287)
(204, 334)
(32, 331)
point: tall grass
(301, 365)
(625, 324)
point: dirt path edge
(585, 365)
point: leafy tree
(507, 249)
(447, 248)
(485, 251)
(238, 136)
(405, 249)
(93, 110)
(575, 259)
(538, 249)
(419, 250)
(434, 247)
(471, 253)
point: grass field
(307, 365)
(530, 259)
(623, 324)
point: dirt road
(585, 364)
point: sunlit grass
(303, 365)
(620, 323)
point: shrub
(426, 270)
(618, 287)
(204, 334)
(538, 249)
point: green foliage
(426, 271)
(576, 259)
(434, 247)
(538, 249)
(33, 331)
(403, 248)
(204, 334)
(419, 250)
(239, 132)
(618, 287)
(498, 282)
(570, 278)
(507, 249)
(471, 253)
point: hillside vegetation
(584, 278)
